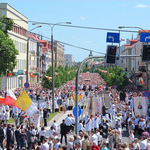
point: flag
(141, 81)
(2, 100)
(79, 97)
(25, 103)
(10, 98)
(48, 77)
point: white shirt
(96, 125)
(51, 132)
(45, 146)
(94, 139)
(68, 121)
(56, 146)
(88, 125)
(148, 146)
(143, 144)
(80, 127)
(99, 137)
(42, 133)
(54, 126)
(7, 116)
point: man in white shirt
(68, 123)
(44, 145)
(93, 138)
(143, 143)
(88, 125)
(54, 125)
(96, 119)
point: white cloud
(82, 18)
(142, 6)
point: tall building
(69, 60)
(59, 54)
(46, 55)
(19, 36)
(34, 60)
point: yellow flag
(79, 97)
(23, 101)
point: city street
(74, 75)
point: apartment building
(35, 57)
(59, 54)
(46, 55)
(19, 36)
(69, 60)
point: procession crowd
(103, 130)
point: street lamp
(121, 27)
(52, 48)
(27, 61)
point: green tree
(114, 76)
(8, 51)
(62, 75)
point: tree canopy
(8, 51)
(62, 75)
(114, 76)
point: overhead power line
(77, 26)
(86, 49)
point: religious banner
(99, 104)
(35, 120)
(140, 106)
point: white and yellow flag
(25, 103)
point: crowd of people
(101, 130)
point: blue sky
(95, 13)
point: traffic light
(146, 53)
(111, 54)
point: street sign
(26, 85)
(86, 93)
(79, 111)
(144, 37)
(59, 101)
(113, 37)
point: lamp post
(77, 90)
(52, 49)
(121, 27)
(27, 59)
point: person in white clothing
(93, 138)
(68, 123)
(54, 125)
(7, 115)
(143, 143)
(42, 133)
(88, 125)
(96, 119)
(80, 126)
(44, 145)
(92, 122)
(148, 144)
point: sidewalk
(59, 117)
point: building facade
(46, 55)
(35, 55)
(69, 60)
(135, 65)
(59, 54)
(19, 36)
